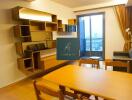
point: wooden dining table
(110, 85)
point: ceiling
(79, 3)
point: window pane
(97, 32)
(87, 32)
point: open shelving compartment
(60, 26)
(37, 26)
(36, 58)
(25, 64)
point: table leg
(62, 92)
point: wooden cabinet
(50, 62)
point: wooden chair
(45, 87)
(117, 64)
(94, 62)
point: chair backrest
(40, 88)
(117, 64)
(94, 62)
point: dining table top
(107, 84)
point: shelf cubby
(36, 58)
(54, 18)
(25, 63)
(59, 23)
(72, 22)
(24, 22)
(51, 26)
(21, 30)
(37, 26)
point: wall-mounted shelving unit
(34, 28)
(34, 34)
(70, 27)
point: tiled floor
(24, 90)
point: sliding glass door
(91, 34)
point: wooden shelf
(31, 14)
(25, 63)
(71, 27)
(37, 26)
(34, 29)
(72, 22)
(36, 58)
(37, 31)
(59, 23)
(21, 30)
(23, 22)
(26, 36)
(54, 18)
(51, 23)
(51, 26)
(51, 44)
(26, 58)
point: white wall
(113, 37)
(9, 72)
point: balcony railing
(96, 44)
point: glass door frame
(78, 31)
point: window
(91, 33)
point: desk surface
(106, 84)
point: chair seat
(49, 85)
